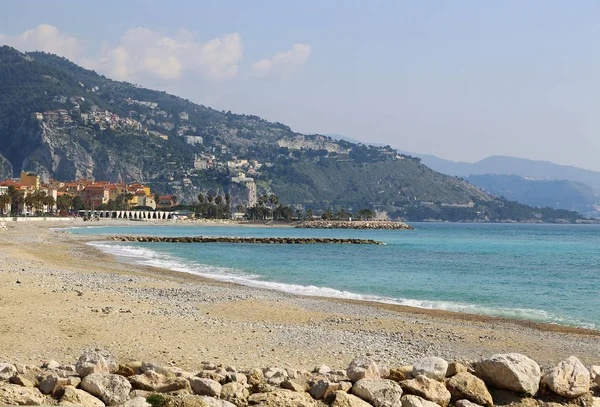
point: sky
(460, 79)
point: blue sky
(460, 79)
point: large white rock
(275, 376)
(466, 403)
(378, 392)
(343, 399)
(433, 367)
(205, 387)
(362, 368)
(137, 402)
(464, 385)
(110, 388)
(152, 381)
(511, 371)
(427, 388)
(91, 361)
(410, 400)
(7, 371)
(15, 395)
(281, 398)
(569, 378)
(70, 396)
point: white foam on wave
(148, 257)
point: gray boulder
(569, 378)
(433, 367)
(110, 388)
(511, 371)
(362, 368)
(378, 392)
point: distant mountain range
(498, 164)
(536, 183)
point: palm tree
(12, 195)
(64, 202)
(49, 202)
(309, 214)
(273, 200)
(4, 201)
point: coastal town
(33, 196)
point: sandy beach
(59, 296)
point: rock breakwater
(354, 224)
(230, 239)
(98, 379)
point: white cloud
(45, 37)
(143, 52)
(283, 64)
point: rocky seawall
(98, 379)
(354, 224)
(229, 239)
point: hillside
(558, 194)
(66, 122)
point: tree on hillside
(309, 214)
(201, 198)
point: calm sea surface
(545, 273)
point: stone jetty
(98, 379)
(231, 239)
(354, 224)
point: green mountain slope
(94, 127)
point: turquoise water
(544, 273)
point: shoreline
(400, 308)
(451, 314)
(232, 322)
(364, 299)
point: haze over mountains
(536, 183)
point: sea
(539, 272)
